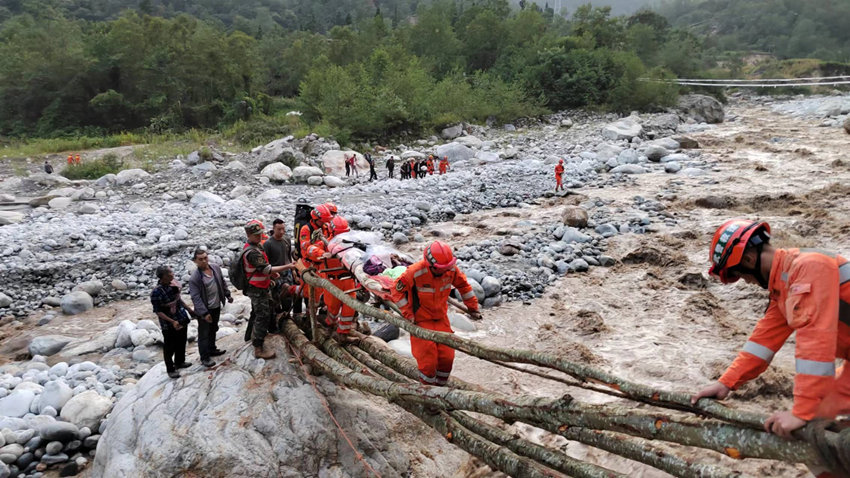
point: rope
(834, 453)
(328, 409)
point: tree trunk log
(732, 440)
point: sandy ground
(654, 318)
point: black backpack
(236, 272)
(302, 217)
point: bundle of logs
(476, 419)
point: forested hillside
(786, 28)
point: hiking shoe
(174, 374)
(184, 365)
(208, 362)
(218, 352)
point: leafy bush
(107, 164)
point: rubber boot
(260, 353)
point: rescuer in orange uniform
(559, 174)
(809, 294)
(319, 218)
(430, 165)
(332, 269)
(444, 165)
(70, 159)
(422, 294)
(77, 159)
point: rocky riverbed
(602, 269)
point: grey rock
(54, 459)
(655, 152)
(316, 180)
(86, 409)
(494, 301)
(5, 300)
(579, 265)
(128, 176)
(92, 287)
(333, 182)
(400, 238)
(10, 217)
(606, 230)
(277, 172)
(302, 173)
(55, 395)
(452, 132)
(626, 128)
(455, 152)
(13, 449)
(679, 157)
(628, 169)
(572, 235)
(672, 167)
(606, 261)
(59, 203)
(491, 286)
(477, 289)
(58, 431)
(24, 460)
(193, 158)
(204, 168)
(692, 172)
(76, 302)
(847, 125)
(206, 198)
(5, 472)
(54, 447)
(91, 442)
(627, 156)
(703, 109)
(48, 345)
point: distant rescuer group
(809, 293)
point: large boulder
(277, 172)
(10, 217)
(471, 141)
(56, 394)
(626, 128)
(333, 162)
(334, 182)
(412, 154)
(17, 403)
(59, 203)
(276, 151)
(206, 198)
(455, 152)
(574, 216)
(76, 302)
(130, 175)
(86, 409)
(48, 345)
(452, 132)
(44, 180)
(91, 287)
(5, 300)
(847, 125)
(301, 173)
(259, 418)
(701, 108)
(315, 180)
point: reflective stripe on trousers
(813, 367)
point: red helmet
(331, 207)
(560, 161)
(339, 225)
(439, 256)
(321, 214)
(729, 244)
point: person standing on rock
(423, 168)
(430, 165)
(70, 159)
(47, 167)
(809, 295)
(173, 320)
(331, 268)
(352, 162)
(372, 174)
(405, 170)
(422, 294)
(390, 166)
(414, 168)
(259, 274)
(559, 175)
(278, 249)
(347, 165)
(444, 165)
(209, 293)
(77, 159)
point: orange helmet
(439, 256)
(339, 225)
(321, 214)
(332, 208)
(730, 242)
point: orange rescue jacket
(809, 294)
(422, 296)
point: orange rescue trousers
(340, 314)
(433, 360)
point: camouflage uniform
(262, 308)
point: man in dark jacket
(372, 174)
(209, 292)
(391, 166)
(173, 319)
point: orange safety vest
(809, 294)
(256, 278)
(422, 296)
